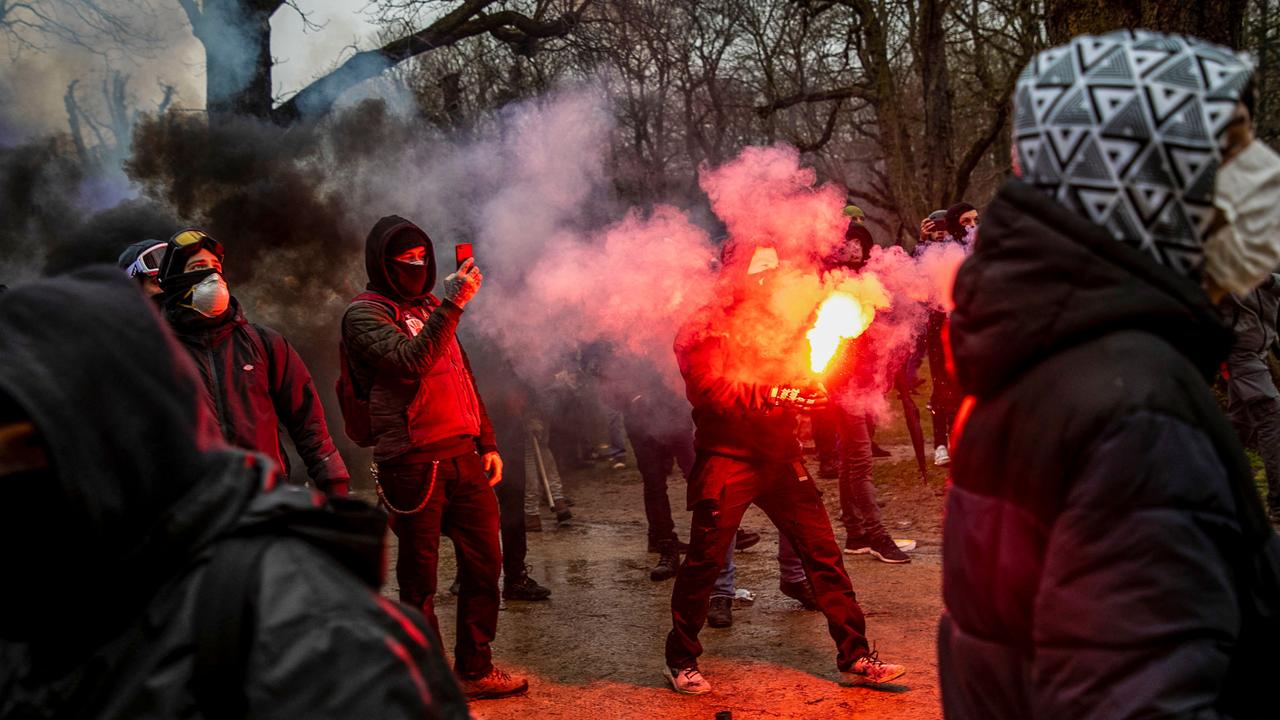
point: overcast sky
(304, 55)
(33, 83)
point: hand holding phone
(461, 285)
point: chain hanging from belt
(377, 484)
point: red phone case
(462, 252)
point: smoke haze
(567, 264)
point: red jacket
(423, 403)
(422, 397)
(256, 383)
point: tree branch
(980, 146)
(464, 22)
(194, 16)
(843, 93)
(827, 132)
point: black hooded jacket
(256, 383)
(404, 351)
(1105, 554)
(116, 537)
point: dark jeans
(1257, 422)
(510, 492)
(824, 435)
(944, 398)
(656, 457)
(795, 507)
(859, 512)
(464, 508)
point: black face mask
(409, 280)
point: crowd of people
(1105, 552)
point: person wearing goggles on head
(141, 261)
(256, 380)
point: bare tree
(98, 27)
(113, 132)
(236, 35)
(1221, 21)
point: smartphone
(462, 251)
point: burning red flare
(840, 316)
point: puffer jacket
(404, 352)
(1105, 552)
(256, 382)
(143, 498)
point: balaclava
(410, 279)
(954, 227)
(1127, 130)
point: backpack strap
(224, 626)
(369, 296)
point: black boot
(562, 511)
(681, 547)
(668, 563)
(802, 591)
(720, 613)
(523, 588)
(745, 539)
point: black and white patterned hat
(1127, 129)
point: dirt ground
(594, 650)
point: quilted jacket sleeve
(374, 338)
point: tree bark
(1220, 22)
(73, 122)
(938, 166)
(236, 35)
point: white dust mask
(210, 296)
(1245, 250)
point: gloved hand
(462, 285)
(793, 397)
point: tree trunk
(937, 166)
(237, 39)
(903, 189)
(1219, 22)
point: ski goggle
(187, 238)
(148, 262)
(185, 242)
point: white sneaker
(941, 457)
(870, 670)
(862, 547)
(688, 681)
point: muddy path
(594, 650)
